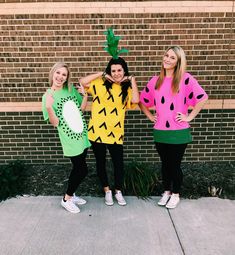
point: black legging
(116, 153)
(171, 156)
(78, 173)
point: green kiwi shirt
(72, 127)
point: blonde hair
(178, 72)
(53, 70)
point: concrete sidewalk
(40, 226)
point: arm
(197, 108)
(87, 79)
(81, 90)
(51, 114)
(135, 92)
(84, 102)
(147, 112)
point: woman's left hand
(182, 117)
(127, 78)
(81, 89)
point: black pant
(78, 173)
(116, 153)
(171, 156)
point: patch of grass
(201, 178)
(140, 179)
(12, 179)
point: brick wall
(25, 136)
(33, 36)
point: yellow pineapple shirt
(107, 113)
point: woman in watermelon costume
(63, 107)
(171, 94)
(113, 92)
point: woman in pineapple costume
(171, 93)
(62, 106)
(113, 92)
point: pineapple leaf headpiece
(112, 44)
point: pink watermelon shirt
(168, 104)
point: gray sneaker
(120, 198)
(78, 200)
(108, 198)
(173, 202)
(70, 206)
(164, 199)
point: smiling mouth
(59, 80)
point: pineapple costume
(108, 113)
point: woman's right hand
(109, 77)
(153, 118)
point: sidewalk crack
(181, 245)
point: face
(170, 60)
(117, 73)
(60, 77)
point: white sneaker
(70, 206)
(173, 202)
(78, 200)
(108, 198)
(164, 199)
(120, 198)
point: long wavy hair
(178, 72)
(126, 84)
(53, 70)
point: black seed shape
(146, 100)
(163, 100)
(154, 102)
(172, 107)
(185, 100)
(167, 124)
(187, 81)
(120, 94)
(191, 95)
(94, 89)
(200, 96)
(147, 89)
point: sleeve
(194, 92)
(44, 110)
(147, 94)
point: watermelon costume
(167, 104)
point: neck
(55, 88)
(169, 73)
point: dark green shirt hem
(172, 136)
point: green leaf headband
(112, 44)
